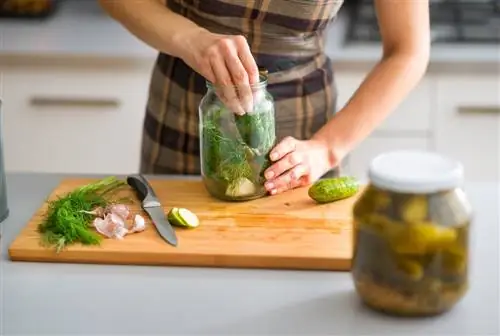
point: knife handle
(144, 190)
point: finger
(240, 79)
(247, 59)
(284, 147)
(291, 185)
(289, 161)
(208, 73)
(289, 180)
(226, 90)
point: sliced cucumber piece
(183, 217)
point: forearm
(152, 22)
(380, 93)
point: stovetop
(452, 21)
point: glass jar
(234, 148)
(412, 235)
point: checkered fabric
(285, 36)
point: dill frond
(65, 223)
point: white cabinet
(468, 123)
(412, 116)
(87, 118)
(74, 118)
(408, 127)
(455, 115)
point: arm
(222, 59)
(405, 30)
(147, 20)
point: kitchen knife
(151, 204)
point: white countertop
(69, 299)
(81, 28)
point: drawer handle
(479, 110)
(74, 102)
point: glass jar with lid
(234, 146)
(412, 235)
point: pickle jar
(236, 137)
(411, 235)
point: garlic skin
(119, 209)
(117, 219)
(105, 227)
(112, 226)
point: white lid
(415, 171)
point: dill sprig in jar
(236, 136)
(412, 235)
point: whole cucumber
(333, 189)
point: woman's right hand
(227, 62)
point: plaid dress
(285, 36)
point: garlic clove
(139, 224)
(120, 232)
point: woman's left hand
(297, 163)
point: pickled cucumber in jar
(411, 249)
(235, 148)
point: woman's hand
(298, 163)
(227, 62)
(224, 60)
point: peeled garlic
(139, 224)
(241, 187)
(120, 233)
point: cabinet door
(73, 119)
(357, 163)
(414, 113)
(468, 123)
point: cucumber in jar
(235, 150)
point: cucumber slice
(183, 217)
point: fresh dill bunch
(65, 221)
(235, 149)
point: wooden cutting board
(288, 231)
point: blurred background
(74, 87)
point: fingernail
(240, 111)
(269, 185)
(274, 156)
(269, 175)
(273, 192)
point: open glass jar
(412, 235)
(234, 147)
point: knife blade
(151, 204)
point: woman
(223, 41)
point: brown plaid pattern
(285, 36)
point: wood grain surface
(288, 231)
